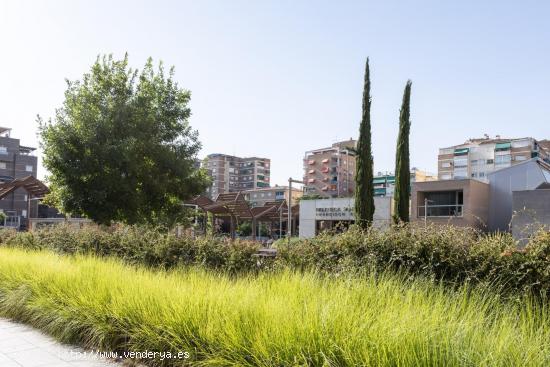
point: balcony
(430, 211)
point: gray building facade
(531, 212)
(528, 175)
(16, 161)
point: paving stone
(22, 346)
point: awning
(503, 146)
(325, 160)
(462, 151)
(311, 161)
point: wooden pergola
(235, 207)
(35, 189)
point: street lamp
(289, 219)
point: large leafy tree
(364, 189)
(121, 148)
(402, 190)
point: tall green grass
(273, 319)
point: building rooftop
(341, 145)
(5, 131)
(232, 156)
(497, 139)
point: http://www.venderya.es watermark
(102, 355)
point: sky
(276, 78)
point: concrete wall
(531, 212)
(524, 176)
(339, 209)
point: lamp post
(289, 219)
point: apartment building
(330, 171)
(258, 197)
(477, 158)
(384, 183)
(232, 174)
(16, 161)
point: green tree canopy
(402, 190)
(121, 148)
(364, 188)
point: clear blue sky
(276, 78)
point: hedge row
(150, 246)
(442, 253)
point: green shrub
(144, 245)
(451, 254)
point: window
(446, 164)
(521, 143)
(520, 158)
(490, 161)
(462, 173)
(460, 162)
(24, 213)
(442, 204)
(28, 168)
(503, 159)
(2, 165)
(3, 150)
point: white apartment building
(476, 158)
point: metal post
(28, 211)
(253, 229)
(280, 221)
(289, 218)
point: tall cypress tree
(402, 190)
(364, 189)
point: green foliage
(282, 319)
(402, 190)
(364, 188)
(309, 197)
(450, 254)
(146, 245)
(453, 255)
(121, 148)
(244, 228)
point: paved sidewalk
(22, 346)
